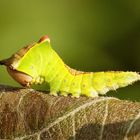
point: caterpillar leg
(54, 93)
(75, 95)
(91, 94)
(64, 93)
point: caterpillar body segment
(87, 85)
(39, 63)
(106, 81)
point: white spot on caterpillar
(31, 67)
(94, 93)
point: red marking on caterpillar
(44, 38)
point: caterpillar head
(22, 65)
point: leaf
(26, 114)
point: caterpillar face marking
(39, 63)
(21, 77)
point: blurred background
(89, 35)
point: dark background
(89, 35)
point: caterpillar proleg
(39, 63)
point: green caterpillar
(39, 63)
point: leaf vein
(131, 125)
(104, 120)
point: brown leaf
(27, 114)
